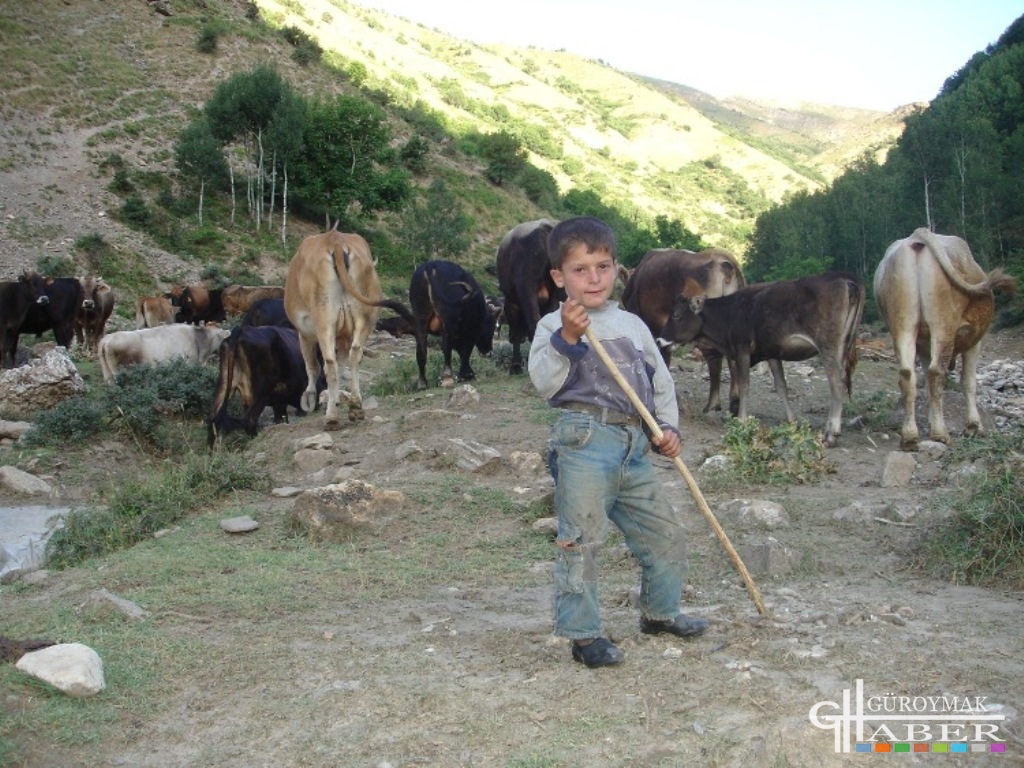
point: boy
(599, 446)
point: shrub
(786, 453)
(982, 544)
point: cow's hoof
(448, 382)
(332, 425)
(356, 414)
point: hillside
(119, 95)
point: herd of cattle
(286, 349)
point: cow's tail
(857, 297)
(995, 280)
(217, 420)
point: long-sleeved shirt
(565, 373)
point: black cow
(16, 296)
(524, 278)
(446, 301)
(264, 366)
(201, 305)
(266, 312)
(783, 320)
(57, 314)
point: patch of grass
(982, 543)
(790, 452)
(138, 506)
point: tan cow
(151, 311)
(332, 296)
(237, 299)
(938, 303)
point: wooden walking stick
(695, 491)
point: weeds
(140, 506)
(787, 453)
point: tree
(347, 160)
(504, 154)
(198, 156)
(436, 228)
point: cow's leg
(516, 338)
(779, 377)
(714, 361)
(421, 357)
(936, 372)
(969, 385)
(447, 380)
(466, 372)
(360, 333)
(837, 394)
(734, 385)
(308, 346)
(742, 379)
(906, 359)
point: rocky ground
(470, 674)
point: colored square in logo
(883, 747)
(979, 746)
(864, 747)
(921, 747)
(940, 747)
(996, 747)
(900, 747)
(958, 747)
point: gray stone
(899, 469)
(472, 456)
(768, 558)
(342, 511)
(40, 385)
(12, 430)
(18, 481)
(766, 514)
(100, 601)
(241, 524)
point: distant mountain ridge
(641, 143)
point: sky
(873, 54)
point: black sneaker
(599, 653)
(681, 626)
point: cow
(938, 303)
(151, 311)
(524, 279)
(16, 296)
(201, 305)
(266, 312)
(190, 343)
(264, 365)
(94, 311)
(332, 296)
(447, 301)
(783, 320)
(237, 299)
(59, 312)
(661, 276)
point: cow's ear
(696, 304)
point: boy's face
(588, 278)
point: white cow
(189, 343)
(938, 303)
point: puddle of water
(24, 532)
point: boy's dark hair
(588, 230)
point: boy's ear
(556, 275)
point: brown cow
(661, 276)
(237, 299)
(332, 295)
(151, 311)
(200, 304)
(938, 303)
(784, 320)
(524, 278)
(94, 311)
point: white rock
(72, 668)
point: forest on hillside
(957, 169)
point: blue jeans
(603, 472)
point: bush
(786, 453)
